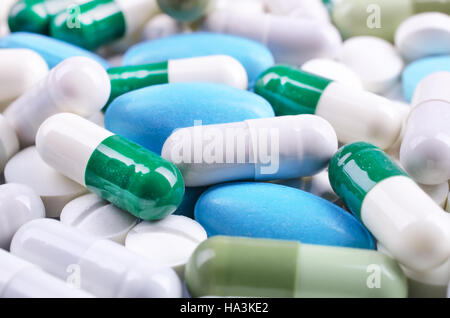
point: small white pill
(20, 70)
(374, 60)
(18, 205)
(161, 26)
(91, 214)
(170, 241)
(55, 190)
(424, 35)
(437, 192)
(333, 70)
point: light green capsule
(379, 17)
(231, 266)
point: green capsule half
(235, 266)
(291, 91)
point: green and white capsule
(219, 69)
(237, 266)
(121, 172)
(35, 15)
(100, 22)
(402, 217)
(356, 115)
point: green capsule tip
(29, 16)
(356, 168)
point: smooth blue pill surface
(418, 70)
(53, 51)
(149, 115)
(255, 57)
(266, 210)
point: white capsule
(221, 69)
(425, 150)
(55, 190)
(20, 69)
(374, 60)
(5, 5)
(333, 70)
(169, 241)
(105, 269)
(437, 192)
(241, 5)
(291, 40)
(21, 279)
(18, 205)
(261, 149)
(9, 144)
(95, 216)
(78, 85)
(424, 35)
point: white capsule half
(261, 149)
(20, 69)
(220, 69)
(291, 40)
(78, 85)
(19, 204)
(106, 269)
(21, 279)
(424, 35)
(425, 149)
(95, 216)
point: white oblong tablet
(169, 241)
(424, 35)
(55, 190)
(374, 60)
(93, 215)
(333, 70)
(18, 205)
(437, 192)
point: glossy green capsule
(99, 22)
(120, 171)
(35, 15)
(235, 266)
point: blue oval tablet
(418, 70)
(53, 51)
(255, 57)
(266, 210)
(149, 115)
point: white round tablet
(333, 70)
(424, 35)
(169, 241)
(18, 205)
(93, 215)
(55, 190)
(437, 192)
(376, 62)
(9, 143)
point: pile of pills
(224, 148)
